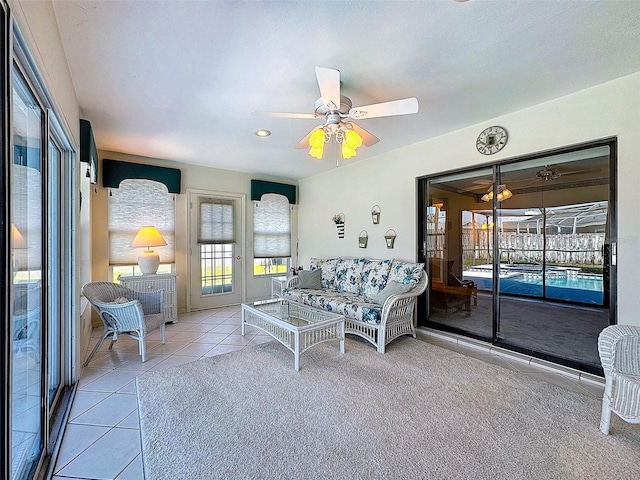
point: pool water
(592, 283)
(574, 288)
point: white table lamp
(148, 236)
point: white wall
(197, 178)
(608, 110)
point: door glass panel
(552, 234)
(216, 269)
(26, 289)
(459, 252)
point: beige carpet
(418, 411)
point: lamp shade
(148, 236)
(17, 240)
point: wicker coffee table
(296, 326)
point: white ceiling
(179, 80)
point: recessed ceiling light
(263, 133)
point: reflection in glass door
(552, 237)
(520, 257)
(458, 236)
(26, 307)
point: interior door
(216, 239)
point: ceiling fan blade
(386, 109)
(284, 115)
(304, 143)
(368, 139)
(329, 83)
(577, 172)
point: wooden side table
(156, 281)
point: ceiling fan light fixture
(350, 142)
(503, 194)
(347, 151)
(352, 139)
(316, 152)
(316, 142)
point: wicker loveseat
(377, 297)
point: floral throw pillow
(348, 274)
(406, 272)
(328, 268)
(375, 274)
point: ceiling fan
(549, 172)
(338, 114)
(483, 188)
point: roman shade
(135, 204)
(217, 221)
(272, 227)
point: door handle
(238, 257)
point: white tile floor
(102, 439)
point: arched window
(136, 203)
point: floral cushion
(405, 272)
(348, 272)
(374, 277)
(328, 268)
(347, 304)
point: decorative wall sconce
(390, 237)
(375, 214)
(338, 219)
(362, 239)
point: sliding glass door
(552, 237)
(459, 237)
(38, 282)
(26, 216)
(521, 256)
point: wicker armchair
(27, 318)
(125, 312)
(619, 349)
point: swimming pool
(561, 283)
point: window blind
(217, 222)
(26, 216)
(272, 227)
(136, 203)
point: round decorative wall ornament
(491, 140)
